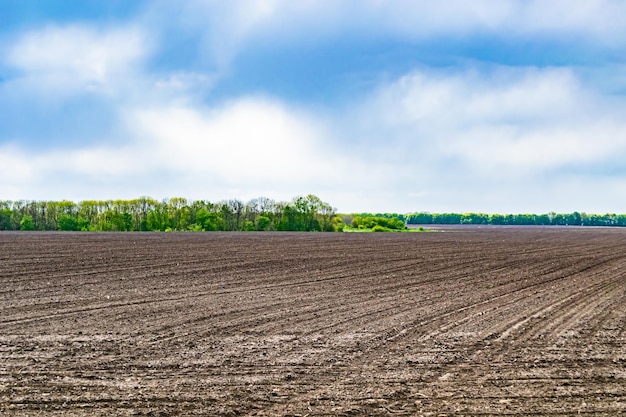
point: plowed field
(474, 321)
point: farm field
(475, 321)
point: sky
(495, 106)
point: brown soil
(478, 321)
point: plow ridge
(471, 322)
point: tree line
(549, 219)
(303, 213)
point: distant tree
(474, 218)
(497, 219)
(232, 214)
(559, 220)
(327, 217)
(574, 219)
(178, 213)
(27, 223)
(304, 218)
(263, 223)
(288, 218)
(447, 218)
(420, 218)
(68, 223)
(209, 220)
(157, 218)
(337, 224)
(119, 221)
(5, 219)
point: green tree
(288, 219)
(574, 219)
(559, 220)
(209, 220)
(27, 223)
(5, 219)
(263, 223)
(157, 219)
(68, 223)
(232, 214)
(420, 218)
(474, 218)
(337, 224)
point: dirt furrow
(475, 321)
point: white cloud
(230, 25)
(253, 141)
(516, 120)
(466, 139)
(601, 19)
(499, 139)
(507, 139)
(14, 166)
(77, 57)
(246, 148)
(536, 150)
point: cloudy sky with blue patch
(406, 105)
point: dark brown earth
(494, 321)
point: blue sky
(484, 105)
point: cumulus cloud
(502, 120)
(501, 137)
(247, 140)
(64, 59)
(14, 166)
(473, 137)
(427, 141)
(247, 147)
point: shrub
(369, 222)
